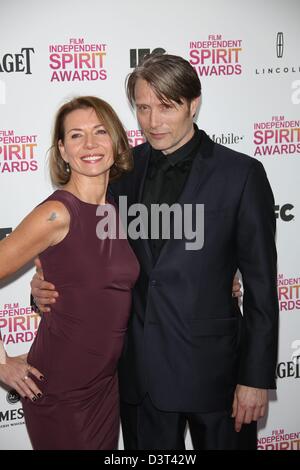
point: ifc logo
(137, 55)
(12, 397)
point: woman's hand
(43, 292)
(17, 373)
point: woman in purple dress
(78, 344)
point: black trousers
(147, 428)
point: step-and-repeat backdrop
(247, 57)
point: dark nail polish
(42, 377)
(39, 395)
(34, 398)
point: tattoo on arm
(52, 217)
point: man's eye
(167, 106)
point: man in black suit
(190, 355)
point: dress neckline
(83, 202)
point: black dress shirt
(166, 177)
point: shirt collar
(183, 152)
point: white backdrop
(247, 56)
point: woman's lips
(92, 158)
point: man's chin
(157, 145)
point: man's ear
(194, 105)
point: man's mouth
(158, 135)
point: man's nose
(154, 118)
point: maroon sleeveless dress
(79, 343)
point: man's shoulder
(140, 150)
(127, 180)
(232, 159)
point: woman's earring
(68, 168)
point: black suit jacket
(187, 343)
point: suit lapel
(142, 245)
(197, 177)
(143, 162)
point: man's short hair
(171, 77)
